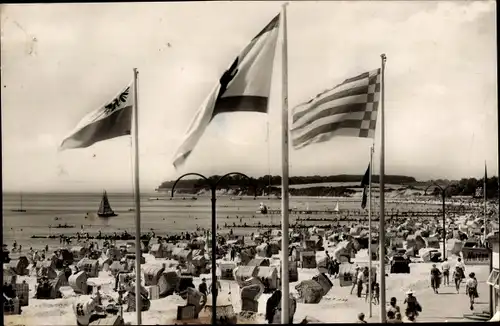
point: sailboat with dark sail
(105, 209)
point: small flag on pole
(365, 183)
(109, 121)
(244, 87)
(349, 109)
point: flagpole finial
(285, 4)
(383, 56)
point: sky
(60, 61)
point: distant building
(494, 278)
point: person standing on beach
(376, 293)
(336, 268)
(233, 254)
(354, 278)
(446, 272)
(203, 287)
(361, 281)
(471, 289)
(215, 289)
(272, 305)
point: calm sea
(164, 216)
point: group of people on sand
(16, 247)
(394, 316)
(458, 276)
(36, 256)
(360, 279)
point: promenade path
(447, 305)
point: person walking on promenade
(457, 278)
(413, 307)
(446, 272)
(435, 278)
(460, 269)
(471, 289)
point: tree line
(468, 187)
(270, 185)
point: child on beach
(393, 306)
(361, 318)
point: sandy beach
(338, 305)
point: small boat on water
(105, 209)
(183, 198)
(64, 226)
(337, 208)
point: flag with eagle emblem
(244, 87)
(109, 121)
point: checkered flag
(349, 109)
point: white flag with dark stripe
(349, 109)
(109, 121)
(244, 87)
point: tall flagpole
(285, 286)
(381, 230)
(370, 231)
(138, 254)
(484, 201)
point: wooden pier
(357, 213)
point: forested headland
(333, 185)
